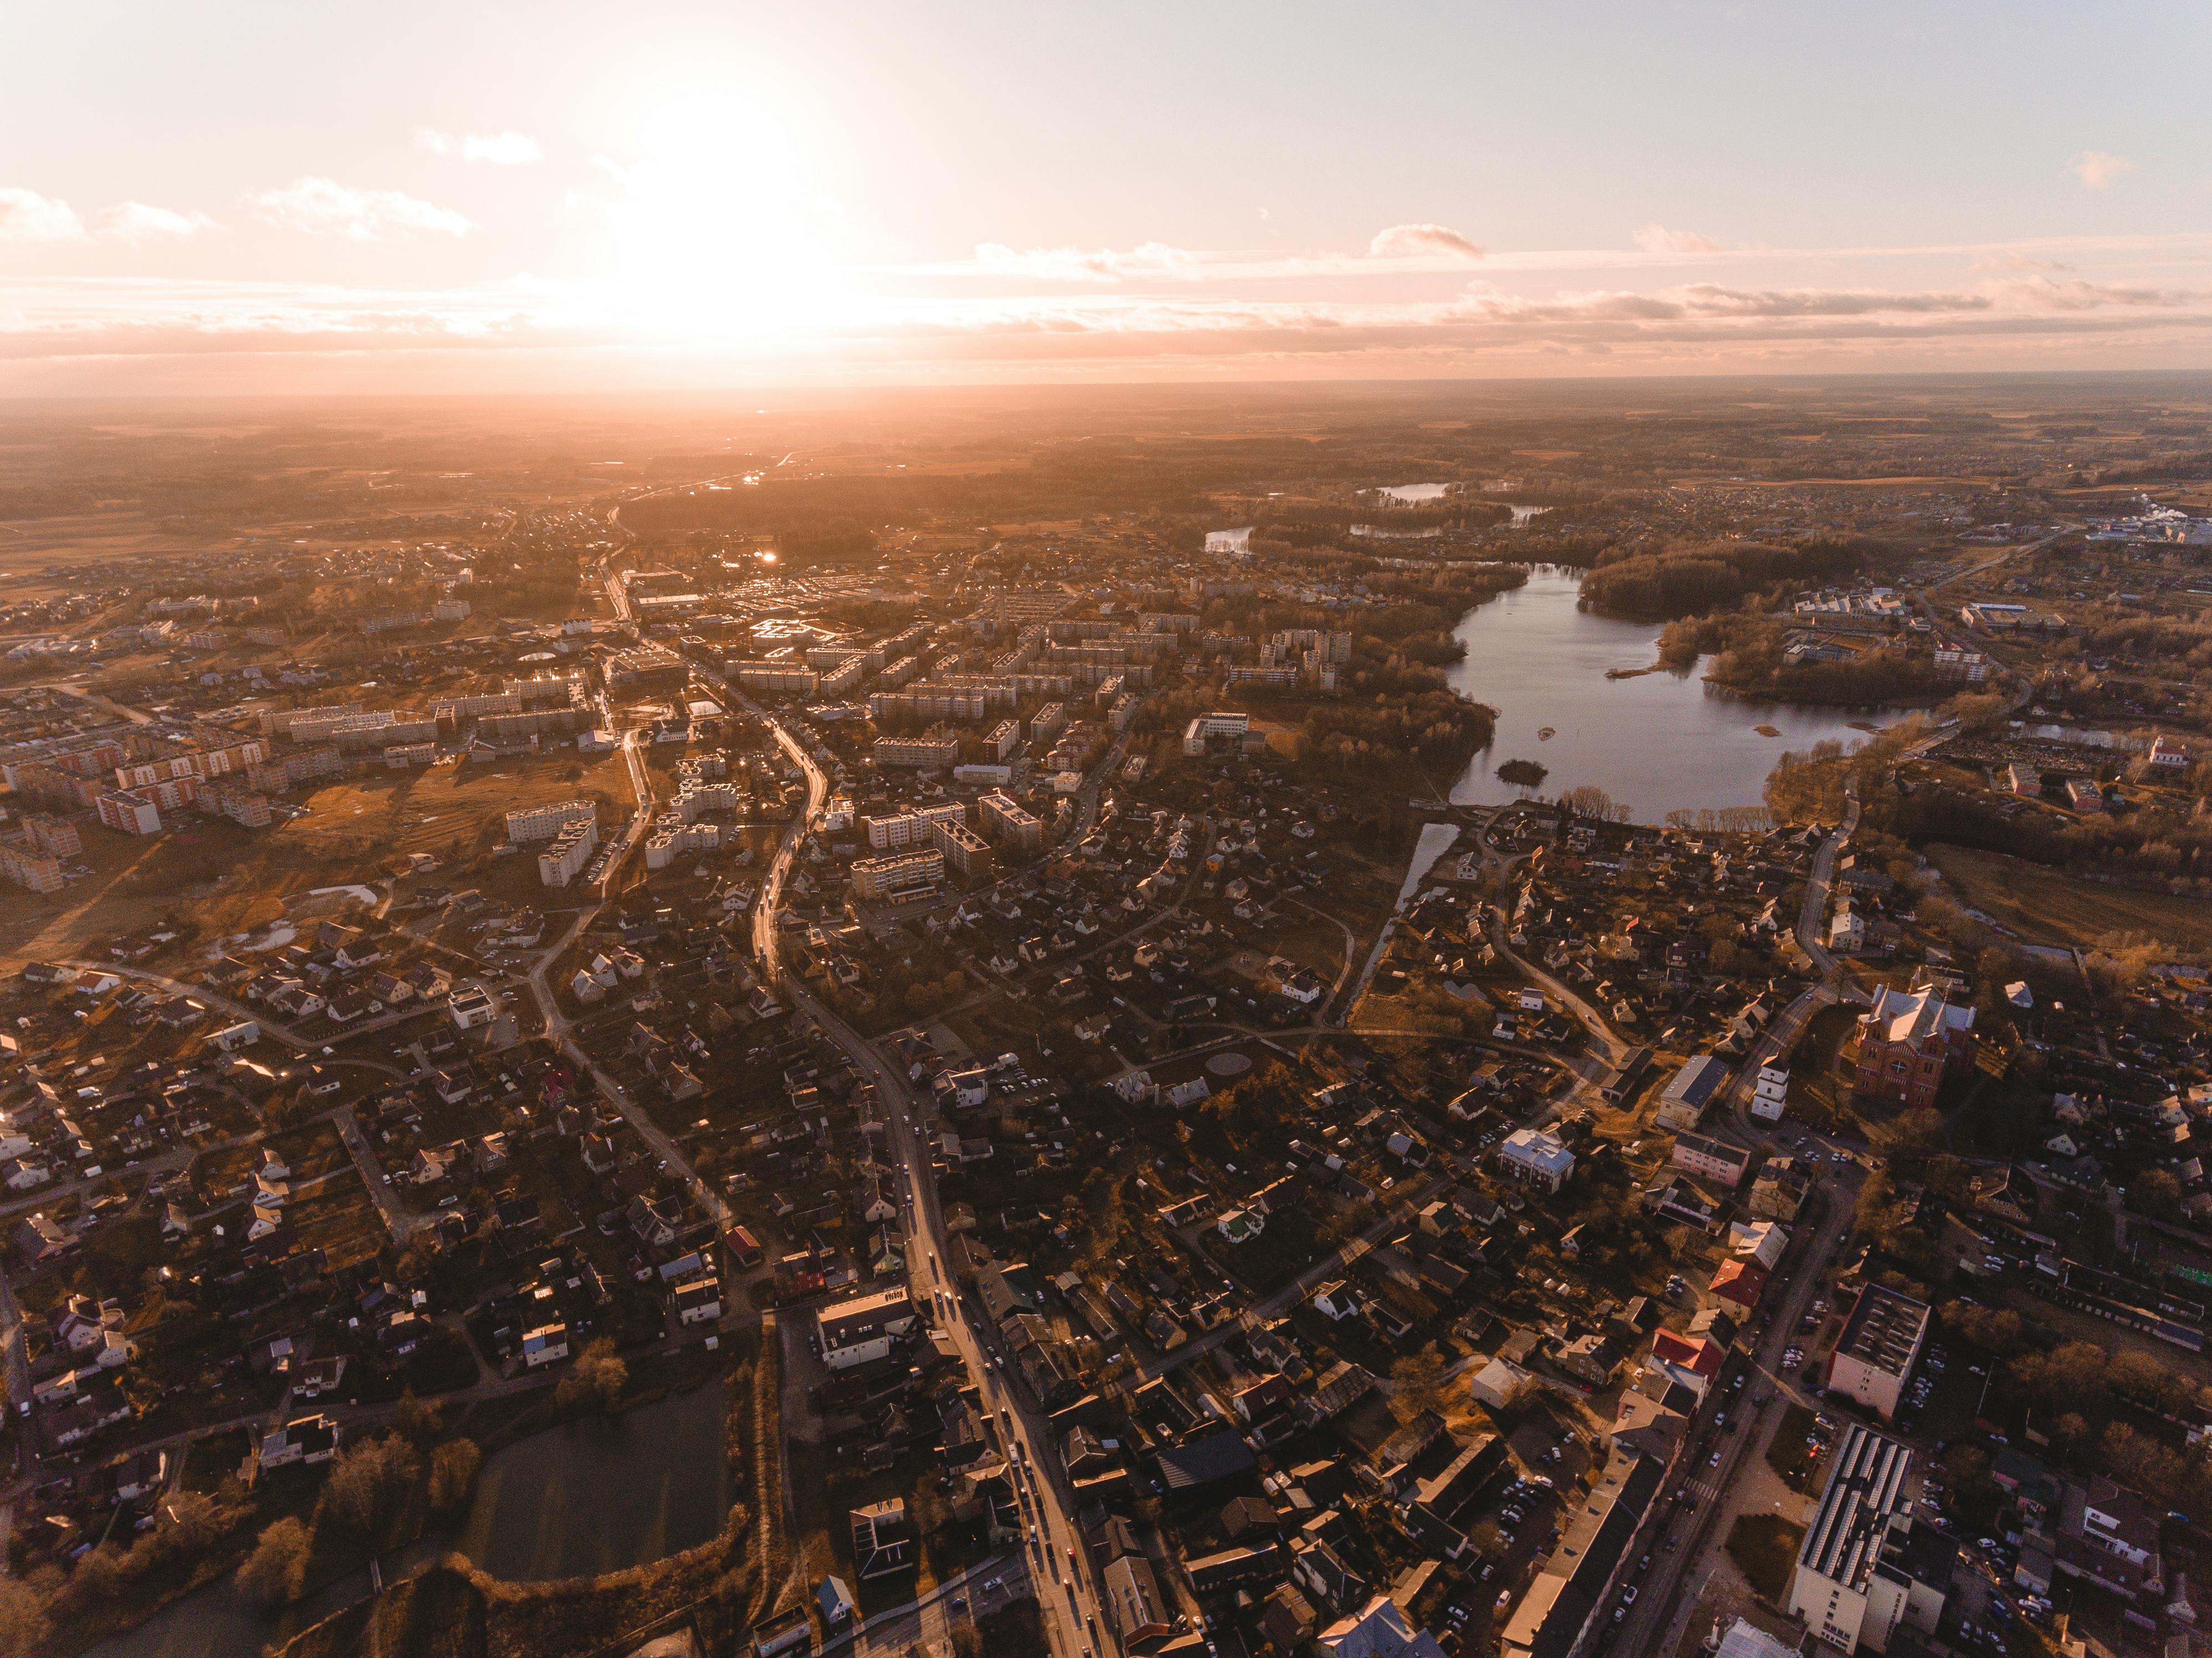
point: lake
(1659, 742)
(583, 1498)
(1409, 494)
(602, 1493)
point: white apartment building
(911, 828)
(559, 863)
(900, 877)
(545, 822)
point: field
(1765, 1547)
(2045, 907)
(229, 879)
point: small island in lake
(1523, 774)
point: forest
(1692, 578)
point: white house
(546, 1345)
(1770, 1096)
(1535, 1157)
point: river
(1659, 743)
(583, 1498)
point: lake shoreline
(1656, 737)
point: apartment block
(48, 834)
(545, 822)
(571, 850)
(28, 867)
(911, 828)
(1007, 821)
(900, 878)
(933, 750)
(131, 812)
(965, 850)
(1711, 1159)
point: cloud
(1657, 238)
(1074, 264)
(2006, 259)
(1401, 240)
(500, 149)
(324, 207)
(2097, 168)
(27, 216)
(137, 222)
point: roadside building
(1865, 1568)
(1682, 1106)
(1881, 1341)
(1711, 1159)
(858, 1331)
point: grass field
(227, 879)
(1765, 1547)
(1788, 1453)
(2045, 907)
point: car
(1620, 1613)
(1715, 1460)
(1505, 1599)
(1628, 1595)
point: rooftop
(1885, 1330)
(1865, 1488)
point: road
(1699, 1509)
(560, 1029)
(1072, 1605)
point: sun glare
(718, 231)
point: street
(1055, 1543)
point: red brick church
(1909, 1043)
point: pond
(1659, 742)
(584, 1498)
(603, 1493)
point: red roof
(1740, 1281)
(1700, 1356)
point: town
(797, 1057)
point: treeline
(1436, 730)
(1685, 580)
(2149, 841)
(1746, 654)
(1310, 526)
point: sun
(718, 232)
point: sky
(276, 198)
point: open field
(229, 879)
(1764, 1548)
(2045, 907)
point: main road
(1075, 1612)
